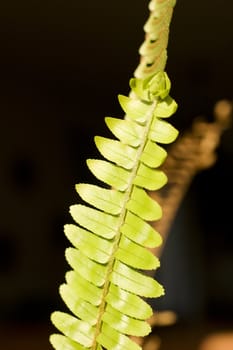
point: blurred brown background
(62, 64)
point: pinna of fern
(111, 237)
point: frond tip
(105, 288)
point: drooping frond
(111, 235)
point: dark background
(62, 64)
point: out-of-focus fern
(110, 237)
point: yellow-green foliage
(110, 236)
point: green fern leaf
(60, 342)
(106, 287)
(116, 152)
(143, 205)
(150, 179)
(112, 339)
(140, 232)
(78, 306)
(87, 268)
(109, 173)
(126, 131)
(134, 109)
(73, 328)
(125, 324)
(111, 241)
(93, 246)
(108, 200)
(100, 223)
(125, 302)
(84, 289)
(135, 282)
(162, 132)
(135, 255)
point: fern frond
(104, 291)
(106, 287)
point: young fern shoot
(111, 236)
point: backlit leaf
(116, 152)
(143, 205)
(140, 232)
(80, 308)
(110, 258)
(127, 131)
(94, 220)
(60, 342)
(135, 109)
(111, 174)
(87, 268)
(153, 155)
(73, 328)
(93, 246)
(125, 302)
(162, 132)
(108, 200)
(135, 282)
(136, 256)
(84, 289)
(151, 179)
(125, 324)
(111, 339)
(165, 108)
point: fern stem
(122, 216)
